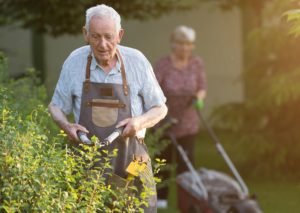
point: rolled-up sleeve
(62, 96)
(151, 91)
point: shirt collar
(94, 64)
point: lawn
(275, 195)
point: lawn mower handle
(223, 153)
(202, 190)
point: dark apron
(103, 105)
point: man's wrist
(64, 125)
(139, 120)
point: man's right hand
(71, 130)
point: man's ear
(121, 33)
(85, 35)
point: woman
(182, 78)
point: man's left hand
(131, 126)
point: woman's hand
(201, 94)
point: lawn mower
(209, 191)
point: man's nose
(102, 42)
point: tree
(268, 118)
(67, 17)
(293, 16)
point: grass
(275, 195)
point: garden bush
(39, 170)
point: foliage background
(65, 17)
(267, 121)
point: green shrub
(38, 175)
(40, 171)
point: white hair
(183, 33)
(102, 11)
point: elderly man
(107, 86)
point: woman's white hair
(183, 33)
(102, 11)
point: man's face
(103, 38)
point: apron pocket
(105, 111)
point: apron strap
(124, 80)
(88, 72)
(87, 69)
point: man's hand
(131, 126)
(71, 130)
(146, 120)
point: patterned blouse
(179, 86)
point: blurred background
(250, 50)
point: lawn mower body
(209, 191)
(224, 194)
